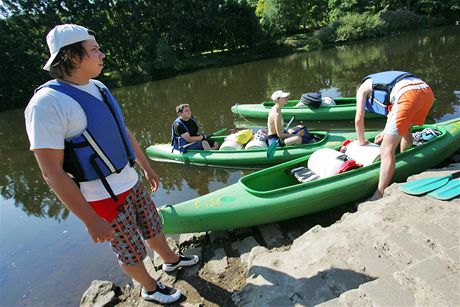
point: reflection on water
(149, 112)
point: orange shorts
(410, 109)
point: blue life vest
(104, 147)
(176, 140)
(382, 85)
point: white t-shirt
(53, 117)
(403, 83)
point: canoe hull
(269, 196)
(248, 159)
(344, 110)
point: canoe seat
(303, 174)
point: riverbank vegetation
(146, 40)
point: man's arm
(279, 127)
(179, 130)
(362, 94)
(142, 161)
(186, 136)
(50, 162)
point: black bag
(311, 99)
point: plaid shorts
(138, 219)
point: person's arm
(362, 94)
(50, 162)
(279, 127)
(180, 130)
(186, 136)
(142, 161)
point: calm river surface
(46, 256)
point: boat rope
(239, 113)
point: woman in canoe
(276, 132)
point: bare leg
(205, 145)
(159, 245)
(407, 140)
(216, 146)
(387, 166)
(140, 274)
(292, 140)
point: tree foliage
(146, 39)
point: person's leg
(293, 140)
(160, 245)
(149, 224)
(139, 273)
(413, 108)
(128, 245)
(130, 248)
(205, 145)
(387, 164)
(407, 140)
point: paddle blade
(424, 185)
(271, 150)
(218, 132)
(448, 191)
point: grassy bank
(350, 28)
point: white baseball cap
(64, 35)
(279, 94)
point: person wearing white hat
(276, 132)
(86, 154)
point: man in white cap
(275, 123)
(86, 154)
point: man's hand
(100, 230)
(153, 178)
(363, 142)
(379, 138)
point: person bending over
(406, 100)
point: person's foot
(162, 294)
(376, 196)
(184, 261)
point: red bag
(348, 165)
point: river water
(46, 256)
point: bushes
(403, 20)
(356, 26)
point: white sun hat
(64, 35)
(279, 94)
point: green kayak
(344, 109)
(273, 194)
(251, 158)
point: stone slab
(189, 238)
(438, 234)
(430, 269)
(375, 263)
(271, 234)
(407, 243)
(387, 292)
(218, 263)
(244, 248)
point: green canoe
(344, 109)
(251, 158)
(273, 194)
